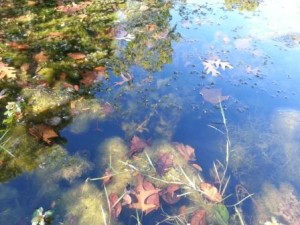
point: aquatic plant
(41, 218)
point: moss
(83, 205)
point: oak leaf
(7, 71)
(143, 191)
(211, 192)
(43, 132)
(186, 151)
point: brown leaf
(114, 206)
(213, 95)
(127, 200)
(77, 55)
(164, 163)
(101, 70)
(137, 145)
(18, 46)
(143, 191)
(211, 192)
(199, 218)
(43, 132)
(107, 177)
(151, 27)
(41, 57)
(186, 151)
(89, 78)
(169, 195)
(71, 9)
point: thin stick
(239, 202)
(239, 216)
(150, 161)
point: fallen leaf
(186, 151)
(127, 200)
(137, 145)
(89, 78)
(41, 57)
(164, 163)
(197, 166)
(210, 192)
(242, 43)
(169, 195)
(199, 218)
(77, 55)
(7, 71)
(101, 70)
(213, 95)
(212, 66)
(107, 177)
(151, 27)
(71, 9)
(18, 46)
(114, 206)
(143, 191)
(43, 132)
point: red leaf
(143, 191)
(164, 163)
(169, 195)
(186, 151)
(115, 208)
(107, 177)
(137, 145)
(199, 218)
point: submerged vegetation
(90, 70)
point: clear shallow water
(262, 112)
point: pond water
(121, 107)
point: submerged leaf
(114, 205)
(199, 218)
(143, 191)
(169, 195)
(164, 163)
(137, 145)
(213, 95)
(43, 132)
(186, 151)
(211, 192)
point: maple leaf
(137, 145)
(211, 192)
(143, 191)
(186, 151)
(199, 218)
(164, 163)
(43, 132)
(7, 71)
(115, 207)
(213, 95)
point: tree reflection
(248, 5)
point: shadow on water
(149, 112)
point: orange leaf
(169, 195)
(210, 192)
(151, 27)
(77, 55)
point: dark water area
(218, 76)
